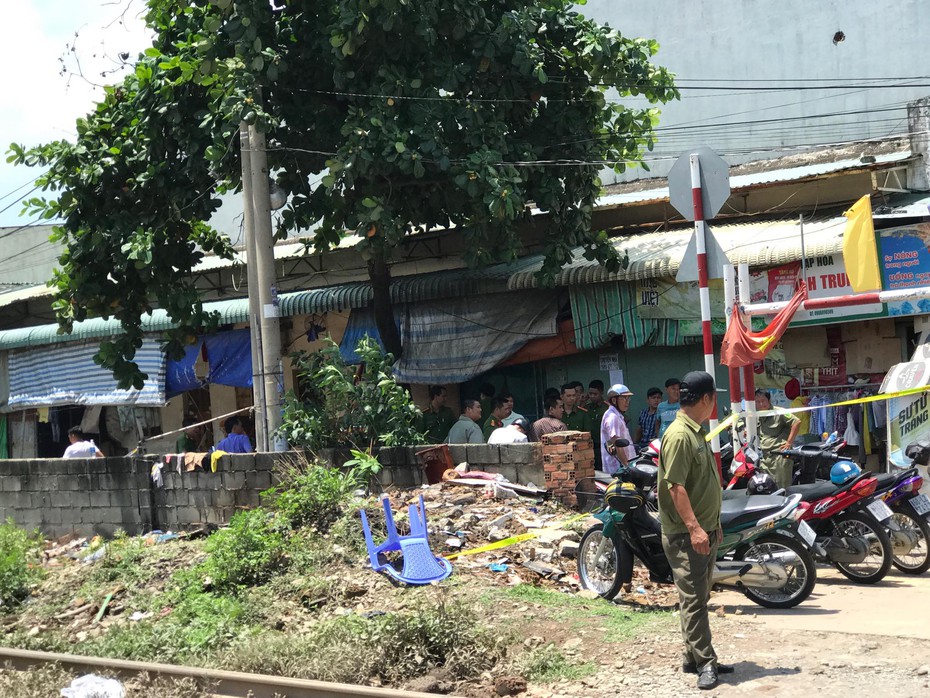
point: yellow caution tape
(513, 540)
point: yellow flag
(859, 251)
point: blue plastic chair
(420, 565)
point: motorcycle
(911, 511)
(772, 569)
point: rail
(229, 684)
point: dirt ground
(845, 640)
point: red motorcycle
(850, 522)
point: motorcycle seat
(739, 511)
(814, 491)
(885, 481)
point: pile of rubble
(538, 539)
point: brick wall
(568, 456)
(100, 495)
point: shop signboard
(908, 416)
(905, 260)
(663, 299)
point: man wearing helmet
(513, 433)
(689, 512)
(613, 426)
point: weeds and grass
(120, 562)
(20, 555)
(547, 664)
(391, 647)
(618, 622)
(191, 632)
(247, 553)
(312, 494)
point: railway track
(225, 684)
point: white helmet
(618, 389)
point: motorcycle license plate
(879, 510)
(807, 533)
(921, 504)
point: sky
(37, 103)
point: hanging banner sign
(905, 260)
(908, 416)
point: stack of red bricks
(568, 456)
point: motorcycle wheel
(917, 561)
(876, 565)
(802, 575)
(599, 565)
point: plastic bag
(93, 686)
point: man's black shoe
(690, 668)
(707, 679)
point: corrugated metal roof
(739, 182)
(404, 289)
(656, 255)
(24, 294)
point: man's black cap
(672, 381)
(695, 384)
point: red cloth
(741, 347)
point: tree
(419, 114)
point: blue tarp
(361, 323)
(230, 357)
(179, 375)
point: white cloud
(38, 103)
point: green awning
(604, 311)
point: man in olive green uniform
(576, 417)
(495, 420)
(776, 432)
(689, 511)
(596, 408)
(437, 418)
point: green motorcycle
(765, 552)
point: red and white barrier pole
(729, 299)
(700, 229)
(907, 294)
(749, 377)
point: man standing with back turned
(689, 511)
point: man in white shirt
(80, 448)
(613, 426)
(512, 417)
(515, 433)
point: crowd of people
(491, 418)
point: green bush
(247, 553)
(343, 405)
(20, 555)
(310, 494)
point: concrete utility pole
(267, 287)
(255, 312)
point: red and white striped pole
(700, 229)
(749, 376)
(729, 299)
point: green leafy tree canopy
(460, 115)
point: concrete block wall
(94, 496)
(101, 495)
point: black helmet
(522, 423)
(761, 483)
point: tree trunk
(380, 275)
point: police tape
(810, 408)
(513, 540)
